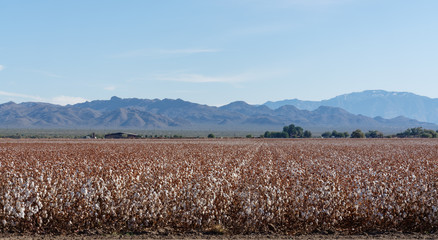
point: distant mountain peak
(329, 109)
(134, 113)
(115, 98)
(10, 103)
(373, 103)
(238, 103)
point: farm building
(122, 135)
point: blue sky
(216, 51)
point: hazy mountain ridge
(133, 113)
(374, 103)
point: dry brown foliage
(222, 186)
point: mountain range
(375, 103)
(177, 114)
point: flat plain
(196, 188)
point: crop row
(235, 186)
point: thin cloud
(20, 96)
(250, 75)
(165, 52)
(110, 88)
(198, 78)
(60, 100)
(2, 67)
(65, 100)
(47, 74)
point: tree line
(293, 131)
(418, 133)
(290, 131)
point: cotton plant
(235, 186)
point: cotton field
(234, 186)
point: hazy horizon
(216, 105)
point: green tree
(337, 134)
(279, 135)
(418, 133)
(307, 134)
(294, 131)
(211, 135)
(326, 134)
(290, 131)
(276, 134)
(374, 134)
(299, 132)
(426, 135)
(357, 134)
(432, 133)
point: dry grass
(218, 186)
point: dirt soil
(18, 236)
